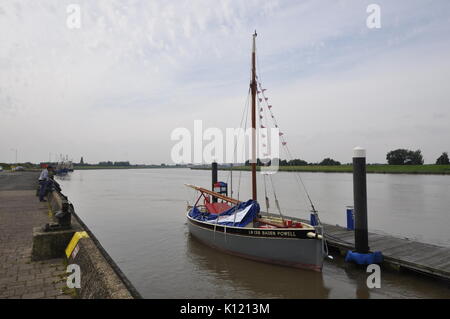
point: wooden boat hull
(289, 246)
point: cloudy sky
(117, 87)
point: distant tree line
(407, 157)
(404, 157)
(109, 163)
(122, 164)
(443, 159)
(298, 162)
(395, 157)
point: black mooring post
(214, 179)
(360, 200)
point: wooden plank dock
(397, 252)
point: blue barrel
(313, 220)
(350, 218)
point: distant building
(107, 163)
(125, 163)
(81, 161)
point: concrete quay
(34, 263)
(20, 212)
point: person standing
(44, 182)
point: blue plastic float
(364, 259)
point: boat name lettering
(286, 233)
(272, 233)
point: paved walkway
(20, 211)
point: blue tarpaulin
(238, 216)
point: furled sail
(238, 216)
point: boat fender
(314, 235)
(364, 259)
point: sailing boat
(241, 228)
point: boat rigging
(240, 227)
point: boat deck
(398, 252)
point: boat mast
(253, 87)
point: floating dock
(397, 252)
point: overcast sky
(116, 88)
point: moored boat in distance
(64, 166)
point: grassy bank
(112, 167)
(26, 166)
(376, 169)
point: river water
(139, 217)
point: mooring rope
(276, 198)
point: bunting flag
(261, 91)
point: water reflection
(138, 215)
(64, 177)
(265, 279)
(358, 276)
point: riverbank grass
(371, 168)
